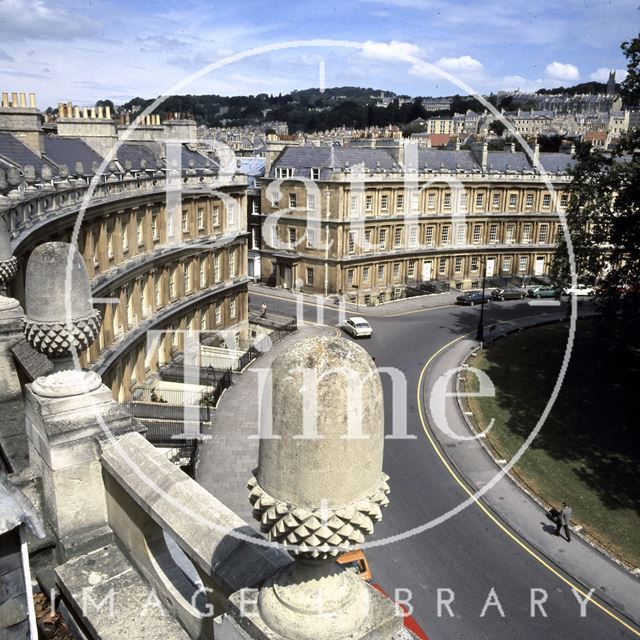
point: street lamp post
(480, 332)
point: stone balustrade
(149, 500)
(23, 208)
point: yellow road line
(484, 509)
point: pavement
(226, 460)
(501, 542)
(387, 309)
(524, 513)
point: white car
(580, 290)
(357, 327)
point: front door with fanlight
(427, 266)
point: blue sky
(84, 51)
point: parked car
(357, 327)
(473, 297)
(356, 561)
(580, 290)
(509, 293)
(542, 292)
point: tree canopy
(603, 219)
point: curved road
(467, 556)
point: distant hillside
(304, 110)
(584, 87)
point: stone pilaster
(70, 416)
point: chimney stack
(480, 151)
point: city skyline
(86, 52)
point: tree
(603, 219)
(630, 88)
(497, 127)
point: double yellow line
(484, 509)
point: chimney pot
(107, 112)
(85, 112)
(100, 116)
(5, 99)
(14, 99)
(32, 100)
(76, 112)
(23, 101)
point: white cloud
(561, 71)
(393, 50)
(463, 64)
(33, 19)
(602, 74)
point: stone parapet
(68, 417)
(149, 500)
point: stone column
(318, 490)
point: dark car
(509, 293)
(474, 297)
(542, 292)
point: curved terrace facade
(162, 233)
(375, 219)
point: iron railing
(148, 411)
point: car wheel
(501, 298)
(522, 297)
(471, 303)
(537, 296)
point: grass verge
(588, 451)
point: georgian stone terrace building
(372, 220)
(163, 261)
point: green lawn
(588, 451)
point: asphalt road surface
(490, 582)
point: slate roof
(436, 159)
(507, 161)
(135, 153)
(69, 151)
(553, 162)
(200, 161)
(13, 151)
(251, 166)
(304, 158)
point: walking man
(564, 518)
(263, 308)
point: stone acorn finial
(59, 317)
(8, 263)
(319, 489)
(321, 492)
